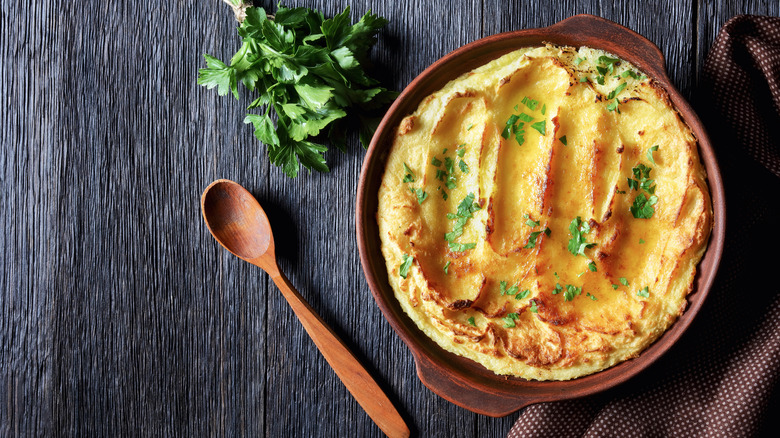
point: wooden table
(119, 314)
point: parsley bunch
(311, 72)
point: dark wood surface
(119, 313)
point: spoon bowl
(238, 222)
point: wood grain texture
(119, 314)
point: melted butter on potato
(515, 237)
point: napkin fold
(721, 378)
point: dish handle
(450, 386)
(616, 39)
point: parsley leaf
(463, 166)
(592, 266)
(471, 321)
(577, 243)
(310, 72)
(509, 320)
(563, 140)
(644, 292)
(614, 286)
(578, 60)
(650, 153)
(403, 270)
(461, 247)
(643, 206)
(408, 174)
(533, 308)
(447, 267)
(510, 291)
(465, 211)
(530, 103)
(523, 294)
(540, 126)
(571, 292)
(436, 162)
(617, 90)
(623, 281)
(535, 235)
(421, 195)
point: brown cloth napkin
(722, 377)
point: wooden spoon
(238, 222)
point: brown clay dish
(461, 380)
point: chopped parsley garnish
(508, 291)
(577, 243)
(643, 206)
(444, 195)
(541, 127)
(461, 150)
(623, 281)
(447, 267)
(617, 90)
(530, 222)
(650, 154)
(403, 270)
(535, 235)
(465, 211)
(523, 294)
(628, 73)
(460, 247)
(578, 60)
(463, 166)
(571, 292)
(556, 275)
(470, 126)
(509, 320)
(525, 117)
(641, 241)
(584, 79)
(592, 266)
(514, 126)
(544, 108)
(600, 80)
(644, 292)
(557, 289)
(606, 60)
(436, 162)
(408, 174)
(614, 286)
(613, 105)
(563, 140)
(441, 175)
(421, 195)
(533, 308)
(449, 164)
(471, 321)
(530, 103)
(592, 297)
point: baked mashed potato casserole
(543, 215)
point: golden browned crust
(572, 320)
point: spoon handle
(354, 376)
